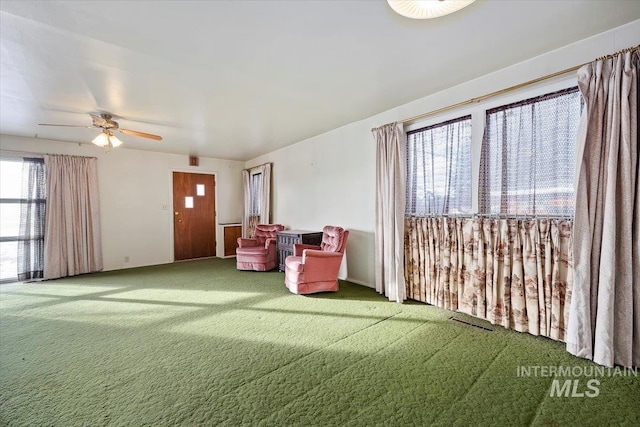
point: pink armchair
(259, 252)
(314, 269)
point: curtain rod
(487, 96)
(257, 166)
(509, 89)
(30, 153)
(33, 153)
(525, 217)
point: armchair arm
(269, 241)
(299, 247)
(311, 253)
(246, 243)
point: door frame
(172, 210)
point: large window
(439, 169)
(526, 162)
(22, 213)
(10, 192)
(528, 156)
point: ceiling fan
(106, 138)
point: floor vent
(470, 324)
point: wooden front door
(194, 218)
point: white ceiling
(236, 79)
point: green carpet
(199, 343)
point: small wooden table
(288, 238)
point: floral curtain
(516, 273)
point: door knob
(176, 213)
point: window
(10, 191)
(22, 209)
(439, 169)
(255, 185)
(255, 193)
(528, 156)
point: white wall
(330, 178)
(135, 187)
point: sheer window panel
(255, 184)
(528, 156)
(439, 169)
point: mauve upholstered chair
(259, 252)
(313, 269)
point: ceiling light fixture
(107, 140)
(427, 9)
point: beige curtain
(246, 192)
(513, 273)
(249, 219)
(265, 197)
(390, 203)
(73, 243)
(604, 322)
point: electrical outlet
(126, 259)
(165, 207)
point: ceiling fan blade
(142, 134)
(68, 126)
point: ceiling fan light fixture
(101, 140)
(107, 139)
(427, 9)
(115, 142)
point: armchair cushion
(258, 253)
(294, 263)
(255, 250)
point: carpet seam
(195, 305)
(372, 354)
(544, 399)
(358, 361)
(425, 360)
(475, 381)
(305, 356)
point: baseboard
(359, 282)
(134, 265)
